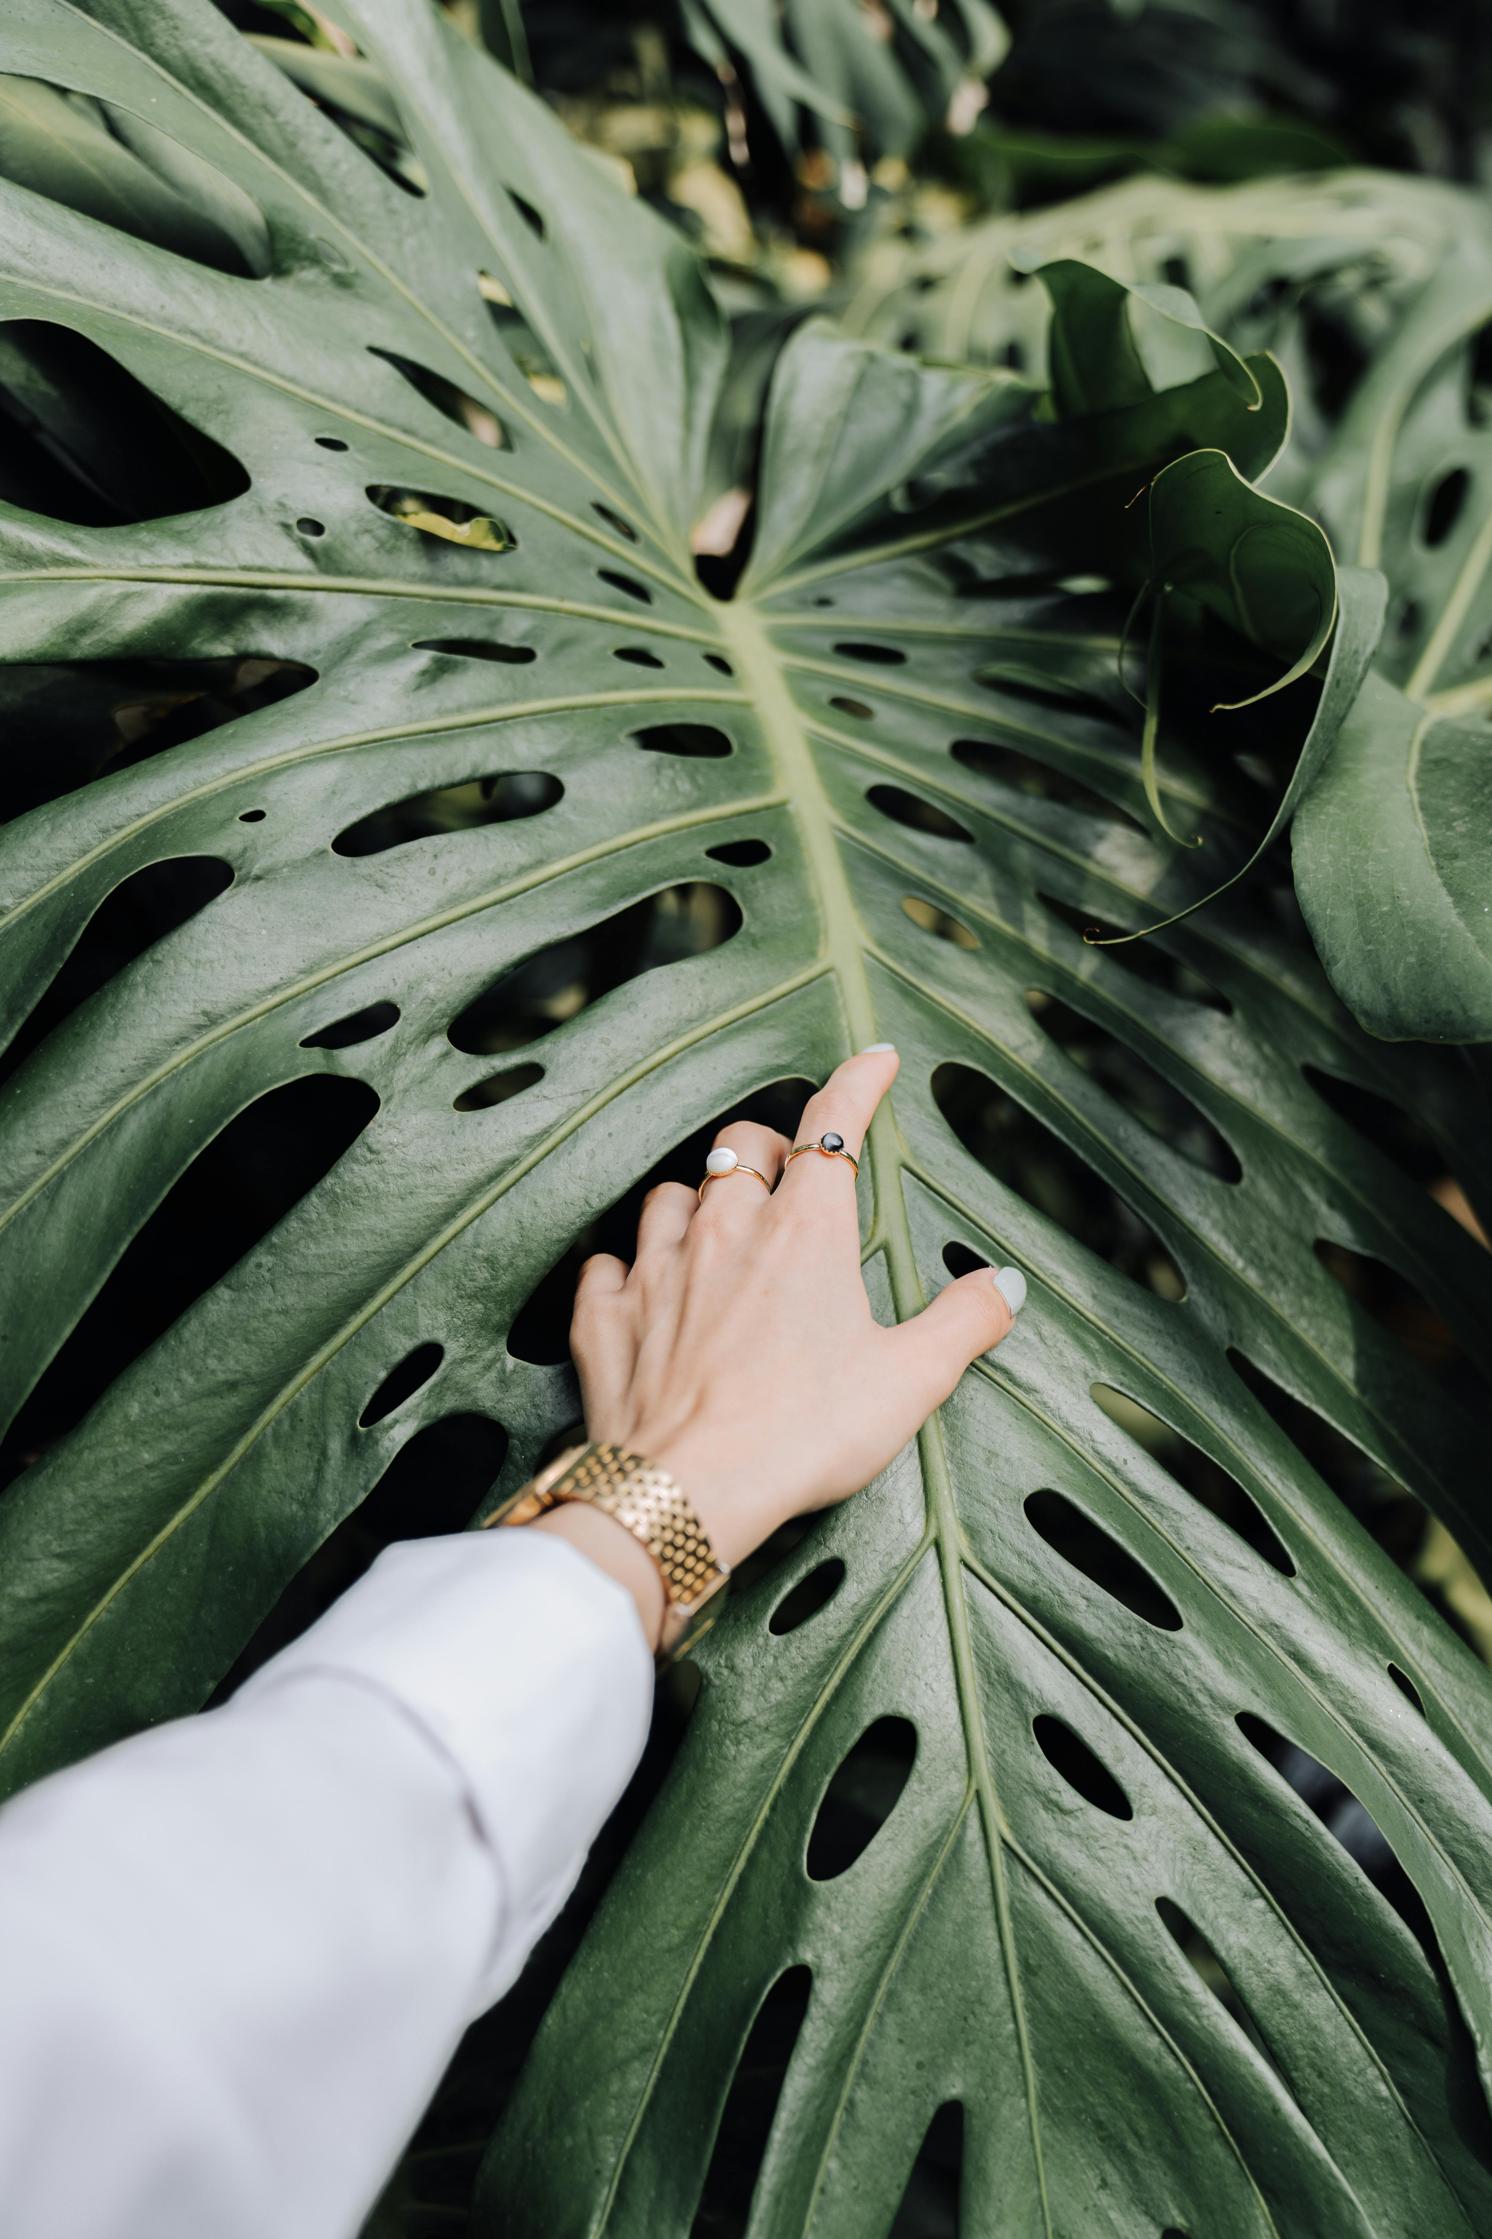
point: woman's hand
(739, 1351)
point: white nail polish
(871, 1048)
(1011, 1284)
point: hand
(739, 1351)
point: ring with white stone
(722, 1162)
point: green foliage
(556, 855)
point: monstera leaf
(1376, 293)
(991, 1811)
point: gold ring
(827, 1146)
(722, 1162)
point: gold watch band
(647, 1502)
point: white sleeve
(236, 1952)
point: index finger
(843, 1107)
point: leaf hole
(697, 742)
(1024, 1154)
(719, 663)
(860, 1798)
(743, 854)
(251, 816)
(856, 708)
(1210, 1971)
(87, 443)
(331, 443)
(306, 526)
(1072, 1534)
(932, 918)
(1346, 1819)
(1447, 502)
(1197, 1473)
(502, 799)
(1397, 1306)
(1137, 1085)
(917, 815)
(813, 1592)
(142, 909)
(452, 403)
(627, 584)
(638, 655)
(239, 1187)
(403, 1380)
(444, 520)
(477, 649)
(962, 1259)
(929, 2207)
(1398, 1134)
(1073, 1761)
(357, 1026)
(1407, 1688)
(746, 2119)
(879, 656)
(531, 217)
(1147, 961)
(497, 1088)
(614, 520)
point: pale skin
(738, 1351)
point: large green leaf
(902, 752)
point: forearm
(238, 1952)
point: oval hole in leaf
(860, 1798)
(1398, 1307)
(530, 216)
(929, 2206)
(142, 909)
(403, 1380)
(718, 662)
(331, 443)
(128, 456)
(439, 1479)
(880, 656)
(1039, 779)
(1348, 1820)
(1398, 1134)
(627, 584)
(1209, 1970)
(614, 520)
(1070, 1756)
(1073, 1535)
(239, 1187)
(918, 815)
(856, 708)
(444, 520)
(451, 402)
(699, 742)
(307, 527)
(936, 920)
(1395, 1518)
(497, 1088)
(357, 1026)
(251, 816)
(477, 649)
(961, 1259)
(638, 655)
(745, 2126)
(813, 1592)
(1014, 1146)
(501, 799)
(743, 854)
(1445, 506)
(1407, 1688)
(1135, 1083)
(1198, 1474)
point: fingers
(735, 1195)
(970, 1317)
(666, 1213)
(844, 1106)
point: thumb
(971, 1316)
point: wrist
(612, 1548)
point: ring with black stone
(830, 1145)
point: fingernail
(871, 1048)
(1011, 1284)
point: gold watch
(648, 1503)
